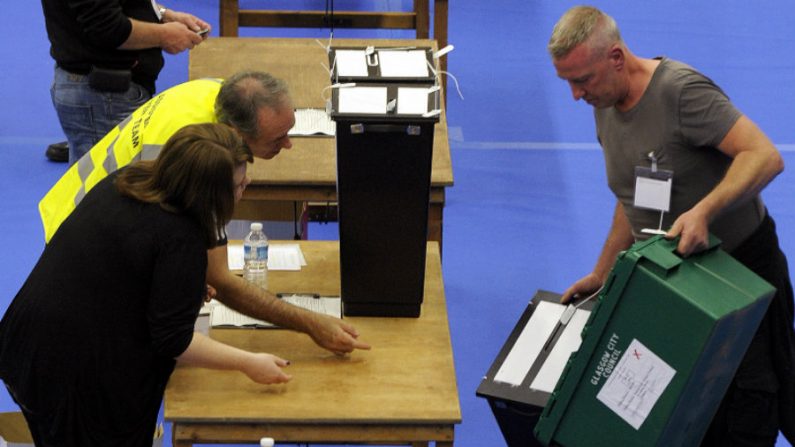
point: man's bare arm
(619, 238)
(756, 163)
(235, 292)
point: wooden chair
(232, 18)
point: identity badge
(653, 188)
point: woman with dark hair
(89, 342)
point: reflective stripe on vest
(140, 136)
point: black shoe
(58, 152)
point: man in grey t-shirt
(662, 116)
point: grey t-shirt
(682, 117)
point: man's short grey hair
(578, 25)
(244, 94)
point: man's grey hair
(244, 94)
(580, 24)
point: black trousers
(761, 398)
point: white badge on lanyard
(653, 190)
(156, 7)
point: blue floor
(529, 209)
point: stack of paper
(280, 257)
(223, 316)
(312, 122)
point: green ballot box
(658, 351)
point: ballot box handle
(410, 129)
(662, 252)
(670, 245)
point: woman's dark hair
(193, 175)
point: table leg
(175, 442)
(436, 223)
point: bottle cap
(256, 226)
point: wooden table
(307, 172)
(403, 391)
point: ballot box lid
(531, 349)
(390, 102)
(382, 64)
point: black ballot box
(384, 153)
(522, 377)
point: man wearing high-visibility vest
(259, 107)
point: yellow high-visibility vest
(140, 136)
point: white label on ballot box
(370, 100)
(401, 63)
(531, 341)
(351, 63)
(635, 385)
(412, 100)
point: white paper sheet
(637, 382)
(529, 343)
(234, 256)
(280, 257)
(652, 193)
(403, 63)
(568, 342)
(285, 257)
(368, 100)
(350, 63)
(412, 100)
(312, 122)
(223, 316)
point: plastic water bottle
(255, 255)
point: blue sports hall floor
(530, 207)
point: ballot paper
(312, 122)
(555, 363)
(223, 316)
(533, 340)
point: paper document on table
(285, 257)
(202, 324)
(310, 122)
(403, 64)
(223, 316)
(280, 257)
(234, 256)
(350, 63)
(370, 100)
